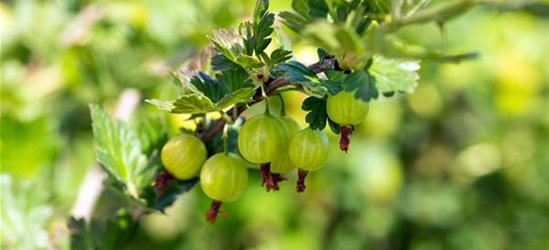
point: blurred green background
(463, 163)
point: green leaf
(301, 7)
(118, 148)
(240, 96)
(229, 43)
(161, 104)
(111, 234)
(248, 61)
(394, 75)
(298, 73)
(262, 30)
(331, 87)
(260, 9)
(317, 115)
(232, 80)
(153, 134)
(363, 84)
(278, 56)
(318, 9)
(292, 21)
(199, 104)
(221, 62)
(334, 126)
(25, 214)
(192, 104)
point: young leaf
(260, 9)
(317, 112)
(243, 95)
(118, 147)
(262, 30)
(278, 56)
(192, 104)
(248, 61)
(298, 73)
(394, 75)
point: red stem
(301, 175)
(269, 178)
(345, 141)
(212, 213)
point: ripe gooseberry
(223, 178)
(262, 138)
(283, 164)
(347, 111)
(308, 150)
(183, 156)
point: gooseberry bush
(360, 59)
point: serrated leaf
(362, 84)
(243, 95)
(229, 43)
(161, 104)
(318, 9)
(278, 56)
(298, 73)
(118, 148)
(221, 62)
(331, 87)
(292, 21)
(317, 115)
(260, 9)
(192, 104)
(248, 61)
(25, 214)
(262, 31)
(232, 80)
(394, 75)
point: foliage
(423, 169)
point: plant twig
(326, 63)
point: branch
(326, 63)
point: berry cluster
(276, 143)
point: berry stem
(269, 178)
(211, 214)
(301, 175)
(162, 181)
(345, 141)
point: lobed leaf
(394, 75)
(118, 147)
(317, 115)
(298, 73)
(363, 84)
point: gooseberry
(347, 111)
(223, 178)
(283, 164)
(183, 156)
(308, 150)
(262, 138)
